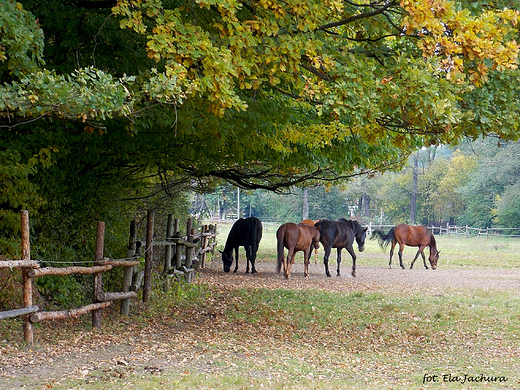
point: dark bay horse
(341, 234)
(295, 238)
(312, 223)
(408, 235)
(246, 232)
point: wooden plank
(69, 270)
(115, 296)
(60, 315)
(19, 264)
(18, 312)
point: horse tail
(280, 233)
(384, 239)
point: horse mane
(433, 242)
(351, 223)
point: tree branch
(377, 11)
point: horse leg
(306, 259)
(400, 253)
(254, 249)
(288, 263)
(248, 257)
(415, 258)
(350, 250)
(236, 258)
(326, 260)
(391, 254)
(424, 259)
(338, 260)
(420, 251)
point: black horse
(246, 232)
(341, 234)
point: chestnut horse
(408, 235)
(295, 238)
(312, 223)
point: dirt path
(367, 278)
(96, 355)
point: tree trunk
(305, 203)
(366, 204)
(413, 198)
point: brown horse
(408, 235)
(295, 238)
(310, 222)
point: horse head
(361, 235)
(227, 260)
(434, 258)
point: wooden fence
(460, 230)
(194, 244)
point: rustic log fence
(174, 244)
(460, 230)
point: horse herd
(308, 234)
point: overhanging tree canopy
(264, 94)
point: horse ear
(221, 252)
(365, 229)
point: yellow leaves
(455, 34)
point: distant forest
(476, 184)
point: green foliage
(496, 175)
(18, 192)
(21, 41)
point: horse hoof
(353, 274)
(254, 271)
(338, 274)
(328, 275)
(235, 271)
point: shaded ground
(148, 349)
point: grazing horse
(246, 232)
(312, 223)
(408, 235)
(341, 234)
(295, 238)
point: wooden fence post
(168, 248)
(148, 256)
(205, 240)
(27, 280)
(128, 272)
(189, 250)
(98, 277)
